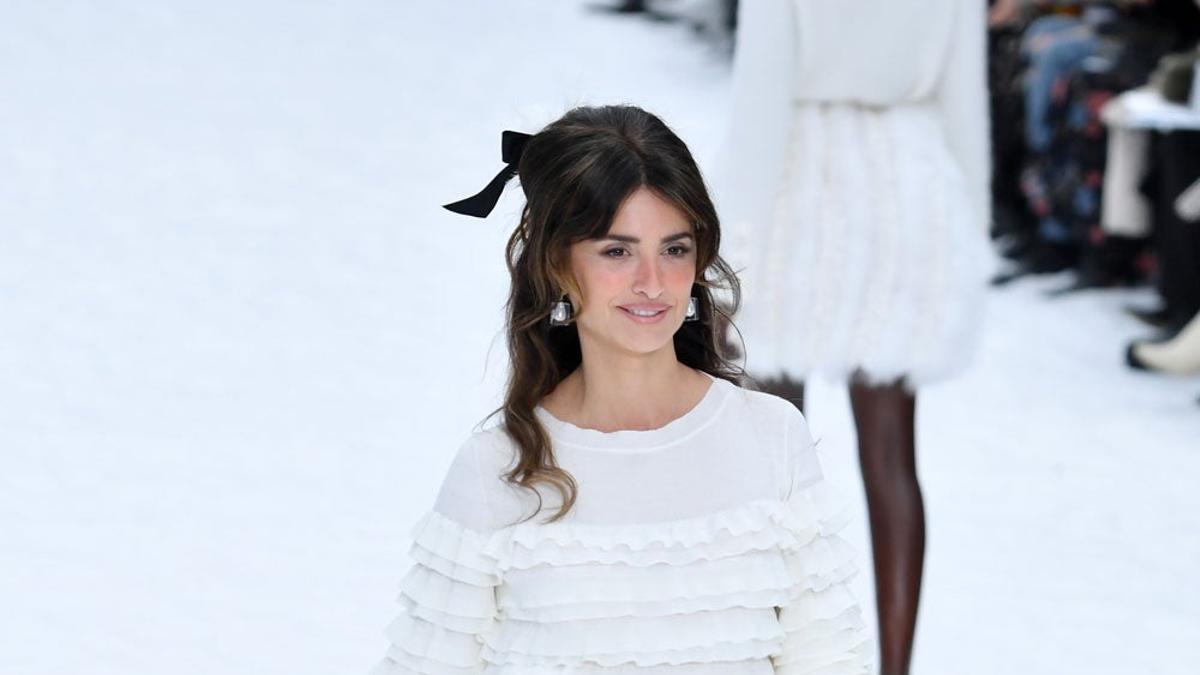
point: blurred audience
(713, 19)
(1096, 132)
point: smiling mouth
(645, 314)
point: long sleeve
(823, 621)
(745, 174)
(962, 98)
(449, 593)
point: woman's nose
(648, 278)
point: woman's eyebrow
(635, 240)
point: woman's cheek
(596, 284)
(613, 277)
(682, 275)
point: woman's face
(645, 264)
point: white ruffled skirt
(875, 260)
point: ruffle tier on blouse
(763, 580)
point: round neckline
(632, 440)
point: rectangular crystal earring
(560, 312)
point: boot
(1154, 317)
(1177, 356)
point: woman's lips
(655, 318)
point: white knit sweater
(704, 546)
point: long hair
(576, 173)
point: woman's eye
(679, 250)
(611, 251)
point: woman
(855, 181)
(635, 510)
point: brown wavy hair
(576, 173)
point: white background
(239, 341)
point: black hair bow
(512, 144)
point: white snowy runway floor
(239, 340)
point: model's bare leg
(885, 416)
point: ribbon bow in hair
(512, 144)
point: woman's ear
(564, 282)
(574, 295)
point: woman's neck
(627, 394)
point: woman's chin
(646, 345)
(636, 340)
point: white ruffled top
(704, 546)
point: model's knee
(890, 471)
(891, 485)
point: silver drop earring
(560, 312)
(693, 310)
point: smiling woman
(682, 522)
(638, 271)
